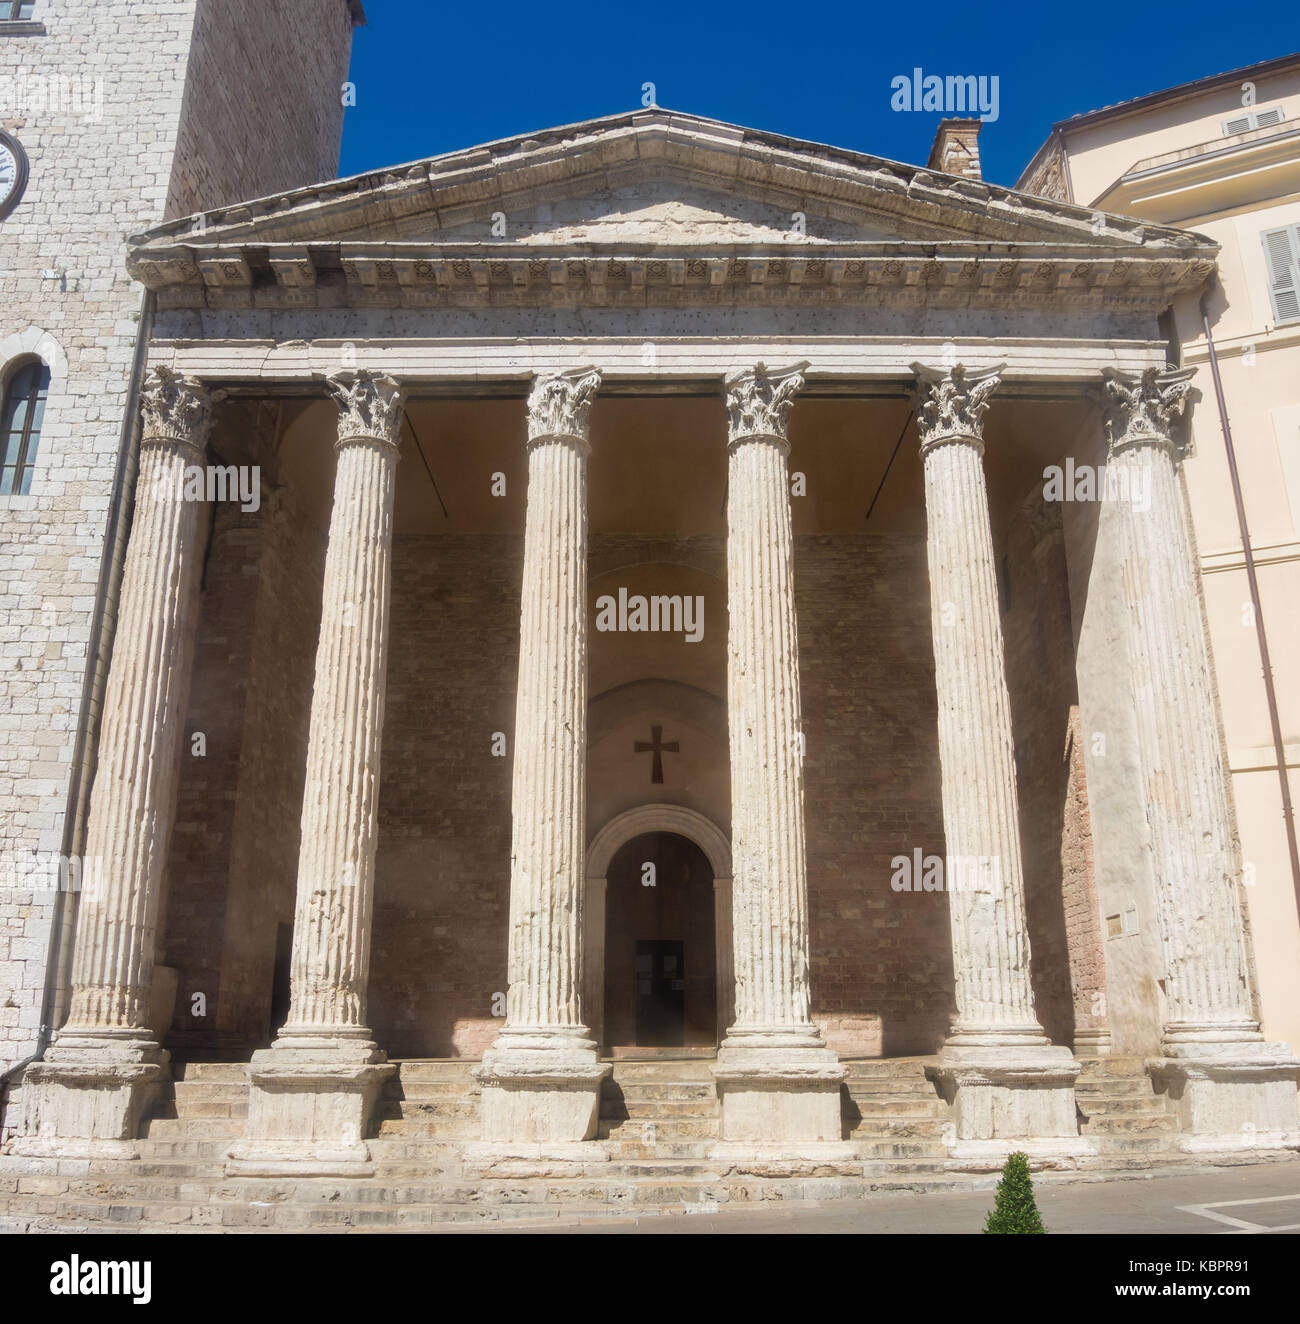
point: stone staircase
(658, 1121)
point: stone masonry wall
(109, 153)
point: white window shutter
(1282, 252)
(1266, 117)
(1238, 125)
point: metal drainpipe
(106, 573)
(1279, 750)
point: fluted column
(313, 1090)
(996, 1040)
(981, 819)
(330, 964)
(1211, 1037)
(778, 1081)
(541, 1078)
(104, 1065)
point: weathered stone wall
(295, 54)
(109, 156)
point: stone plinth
(1015, 1097)
(777, 1082)
(311, 1093)
(1007, 1082)
(541, 1078)
(308, 1108)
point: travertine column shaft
(336, 862)
(1207, 984)
(543, 1005)
(133, 801)
(777, 1082)
(976, 751)
(541, 1077)
(769, 885)
(1010, 1086)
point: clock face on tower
(13, 172)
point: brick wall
(1060, 897)
(881, 959)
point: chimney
(956, 149)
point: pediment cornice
(398, 237)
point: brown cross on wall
(656, 747)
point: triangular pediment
(652, 184)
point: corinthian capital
(1143, 409)
(370, 405)
(759, 400)
(558, 404)
(174, 407)
(950, 405)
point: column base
(90, 1094)
(780, 1096)
(1020, 1091)
(1232, 1095)
(541, 1092)
(310, 1099)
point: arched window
(20, 425)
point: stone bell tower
(119, 116)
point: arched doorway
(660, 955)
(658, 930)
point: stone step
(445, 1128)
(1105, 1105)
(649, 1091)
(909, 1106)
(910, 1127)
(878, 1068)
(166, 1109)
(437, 1069)
(1093, 1068)
(658, 1109)
(192, 1128)
(210, 1072)
(1124, 1124)
(677, 1128)
(685, 1071)
(426, 1109)
(890, 1087)
(406, 1088)
(199, 1090)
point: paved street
(1264, 1198)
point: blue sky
(432, 77)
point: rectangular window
(14, 10)
(1252, 119)
(1282, 254)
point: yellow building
(1221, 156)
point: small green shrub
(1014, 1209)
